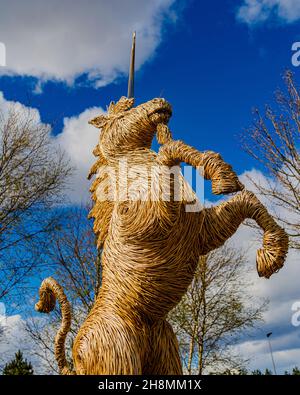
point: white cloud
(6, 105)
(254, 12)
(64, 39)
(259, 354)
(78, 139)
(14, 337)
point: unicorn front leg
(221, 222)
(224, 179)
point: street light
(271, 352)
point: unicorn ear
(99, 121)
(123, 104)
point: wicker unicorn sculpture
(150, 244)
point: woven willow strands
(151, 244)
(50, 290)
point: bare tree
(274, 141)
(76, 264)
(215, 311)
(33, 175)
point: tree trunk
(191, 350)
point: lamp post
(271, 351)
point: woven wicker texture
(151, 244)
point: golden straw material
(50, 290)
(151, 241)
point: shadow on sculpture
(151, 243)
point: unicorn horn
(131, 69)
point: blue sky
(213, 61)
(211, 67)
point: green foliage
(235, 372)
(268, 372)
(18, 366)
(257, 372)
(296, 371)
